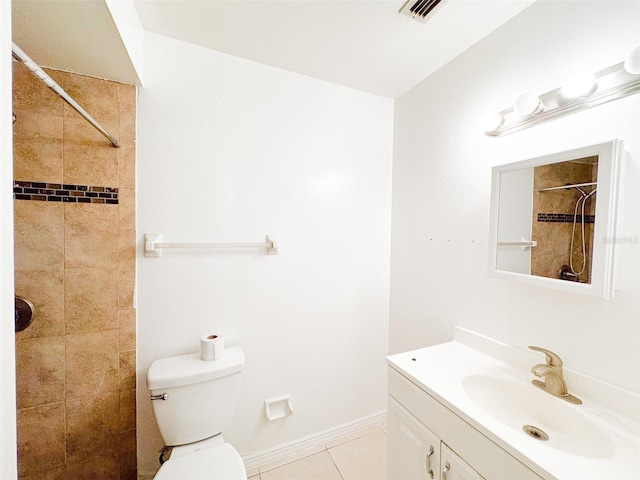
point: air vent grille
(420, 9)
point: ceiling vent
(420, 9)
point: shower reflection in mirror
(564, 206)
(554, 206)
(547, 215)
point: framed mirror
(553, 219)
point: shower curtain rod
(19, 55)
(568, 186)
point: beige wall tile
(37, 147)
(91, 299)
(40, 375)
(59, 473)
(127, 207)
(41, 439)
(128, 455)
(127, 165)
(92, 363)
(53, 144)
(127, 249)
(91, 235)
(98, 97)
(92, 426)
(30, 93)
(127, 93)
(39, 235)
(127, 124)
(89, 158)
(45, 289)
(79, 132)
(101, 466)
(127, 319)
(125, 286)
(127, 411)
(128, 370)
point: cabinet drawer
(478, 451)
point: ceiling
(75, 36)
(363, 44)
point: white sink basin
(488, 385)
(517, 404)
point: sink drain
(535, 432)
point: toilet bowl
(193, 402)
(203, 460)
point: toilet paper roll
(211, 347)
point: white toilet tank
(200, 396)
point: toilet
(193, 402)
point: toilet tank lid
(189, 369)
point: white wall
(7, 337)
(231, 150)
(514, 220)
(441, 189)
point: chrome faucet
(551, 371)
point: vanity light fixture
(491, 121)
(528, 104)
(580, 91)
(632, 63)
(579, 84)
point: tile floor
(361, 458)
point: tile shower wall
(553, 214)
(75, 260)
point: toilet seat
(222, 462)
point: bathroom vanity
(456, 411)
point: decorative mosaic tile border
(564, 218)
(64, 192)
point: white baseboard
(273, 457)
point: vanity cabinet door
(452, 467)
(414, 451)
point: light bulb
(579, 84)
(490, 121)
(528, 104)
(632, 62)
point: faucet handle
(552, 359)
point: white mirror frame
(609, 165)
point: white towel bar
(523, 244)
(152, 245)
(518, 244)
